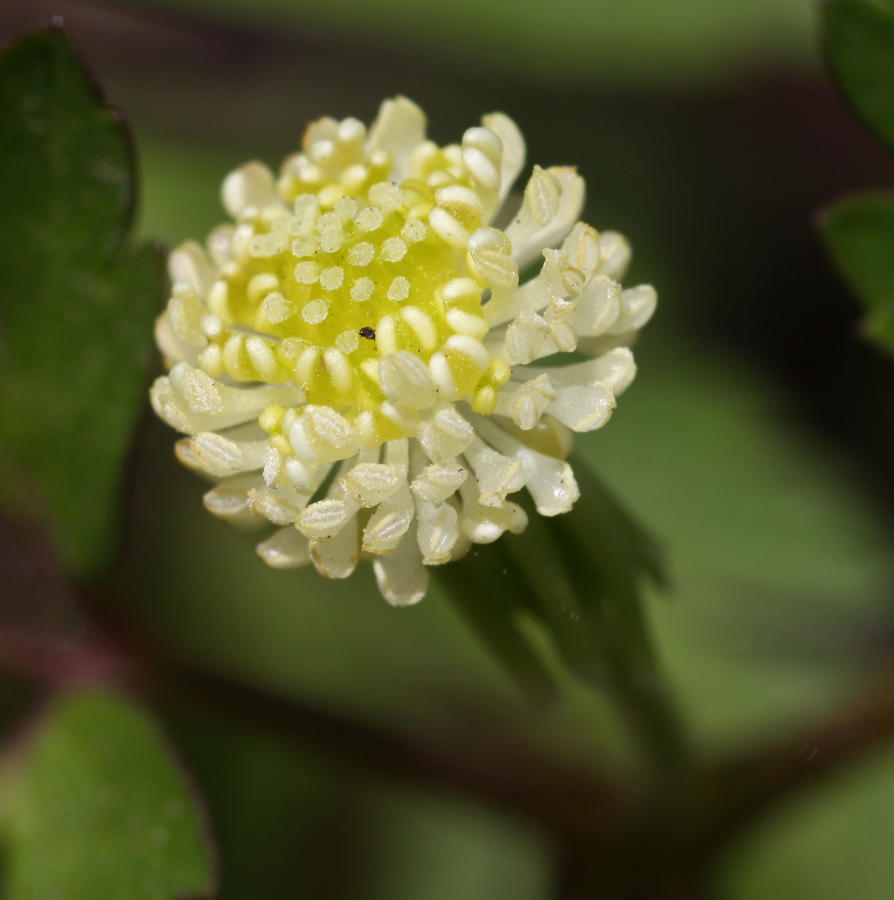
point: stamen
(399, 290)
(361, 254)
(362, 290)
(315, 312)
(331, 279)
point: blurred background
(757, 442)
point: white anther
(315, 312)
(263, 246)
(249, 186)
(462, 202)
(305, 366)
(324, 519)
(361, 254)
(458, 290)
(386, 196)
(438, 532)
(348, 341)
(564, 335)
(386, 336)
(448, 228)
(189, 264)
(445, 435)
(307, 272)
(489, 258)
(422, 325)
(413, 231)
(339, 369)
(615, 253)
(542, 196)
(262, 357)
(320, 435)
(331, 240)
(437, 482)
(305, 245)
(531, 401)
(259, 286)
(329, 220)
(232, 357)
(211, 326)
(399, 290)
(345, 208)
(331, 279)
(467, 323)
(362, 290)
(524, 338)
(482, 150)
(389, 523)
(369, 219)
(582, 248)
(201, 393)
(393, 250)
(276, 308)
(370, 483)
(572, 280)
(443, 376)
(473, 349)
(406, 379)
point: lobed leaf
(77, 299)
(579, 574)
(859, 232)
(102, 811)
(859, 37)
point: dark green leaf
(860, 45)
(77, 299)
(859, 232)
(490, 593)
(580, 574)
(102, 812)
(829, 843)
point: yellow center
(317, 296)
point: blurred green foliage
(779, 570)
(101, 811)
(859, 232)
(77, 300)
(859, 39)
(829, 844)
(780, 564)
(570, 41)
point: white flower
(355, 361)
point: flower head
(355, 360)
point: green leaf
(102, 811)
(781, 566)
(859, 232)
(77, 299)
(489, 572)
(860, 43)
(580, 576)
(829, 843)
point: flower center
(322, 298)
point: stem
(487, 765)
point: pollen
(321, 291)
